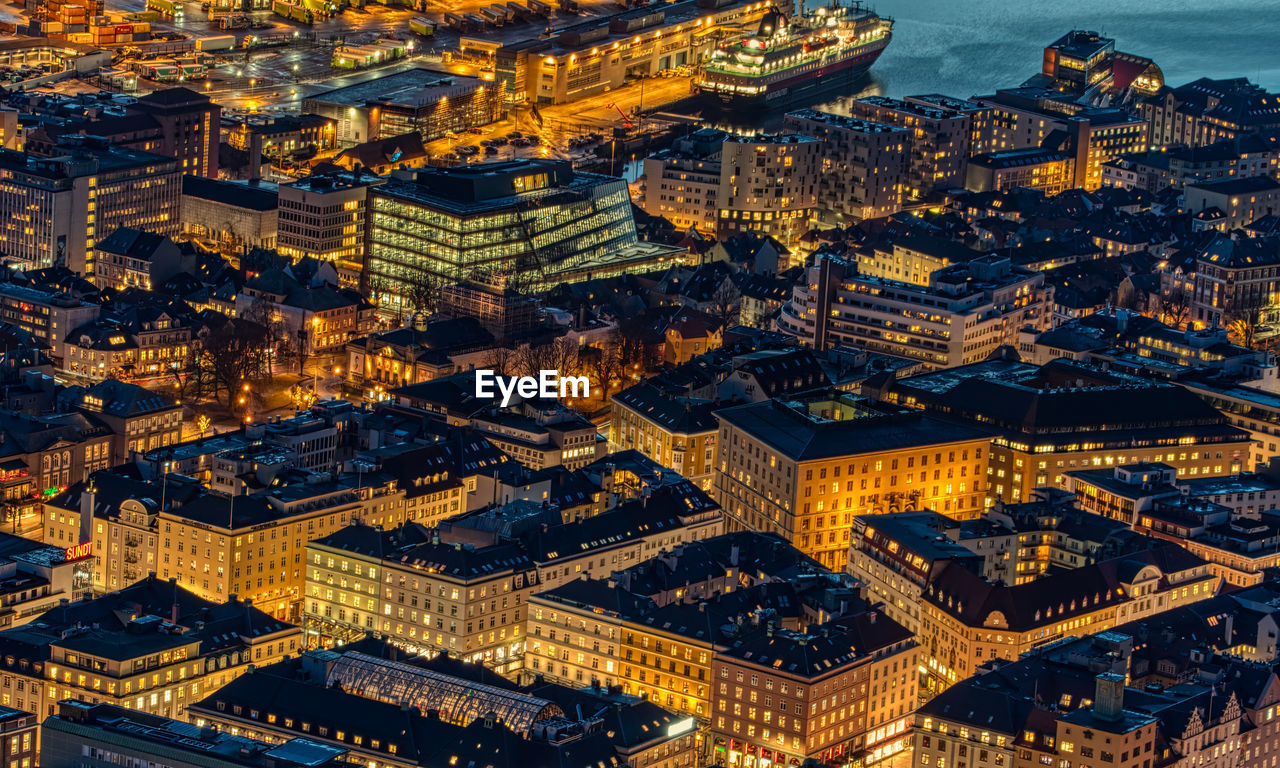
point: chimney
(1108, 698)
(88, 502)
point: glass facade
(536, 238)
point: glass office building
(536, 223)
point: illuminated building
(215, 544)
(80, 731)
(463, 588)
(53, 210)
(728, 184)
(675, 431)
(864, 164)
(36, 577)
(389, 709)
(1252, 154)
(836, 692)
(1050, 419)
(175, 122)
(57, 450)
(1049, 171)
(323, 217)
(966, 619)
(140, 419)
(21, 729)
(958, 314)
(423, 101)
(538, 221)
(1235, 280)
(939, 143)
(1032, 117)
(657, 628)
(1241, 201)
(1205, 111)
(804, 469)
(305, 298)
(133, 258)
(152, 647)
(597, 55)
(47, 313)
(230, 216)
(1082, 62)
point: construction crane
(626, 121)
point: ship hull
(799, 89)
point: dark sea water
(970, 47)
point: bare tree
(504, 361)
(603, 362)
(1242, 319)
(726, 303)
(1175, 305)
(559, 355)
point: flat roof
(416, 87)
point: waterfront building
(600, 54)
(1083, 62)
(535, 221)
(804, 469)
(1205, 111)
(865, 164)
(940, 138)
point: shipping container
(216, 43)
(420, 25)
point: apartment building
(1061, 416)
(865, 164)
(843, 690)
(462, 587)
(728, 184)
(1032, 117)
(1205, 111)
(961, 315)
(151, 647)
(967, 620)
(49, 315)
(940, 138)
(805, 469)
(675, 431)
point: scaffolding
(458, 701)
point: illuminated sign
(78, 552)
(679, 727)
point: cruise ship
(789, 59)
